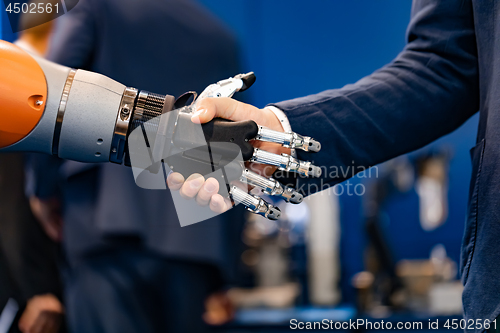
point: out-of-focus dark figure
(131, 267)
(28, 255)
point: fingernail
(210, 187)
(196, 183)
(196, 119)
(199, 112)
(214, 204)
(176, 179)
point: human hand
(271, 151)
(48, 214)
(43, 314)
(205, 192)
(219, 309)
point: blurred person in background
(130, 266)
(29, 254)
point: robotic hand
(175, 142)
(87, 117)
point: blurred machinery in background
(294, 261)
(418, 285)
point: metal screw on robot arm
(286, 163)
(255, 204)
(271, 186)
(288, 140)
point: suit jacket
(449, 69)
(169, 47)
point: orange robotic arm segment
(23, 93)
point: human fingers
(209, 188)
(175, 181)
(192, 186)
(218, 204)
(228, 108)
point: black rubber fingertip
(248, 80)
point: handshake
(217, 150)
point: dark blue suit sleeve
(429, 90)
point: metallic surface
(288, 140)
(271, 186)
(61, 110)
(148, 107)
(255, 204)
(286, 163)
(122, 125)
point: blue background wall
(5, 29)
(1, 21)
(299, 47)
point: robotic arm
(57, 110)
(87, 117)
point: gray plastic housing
(90, 117)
